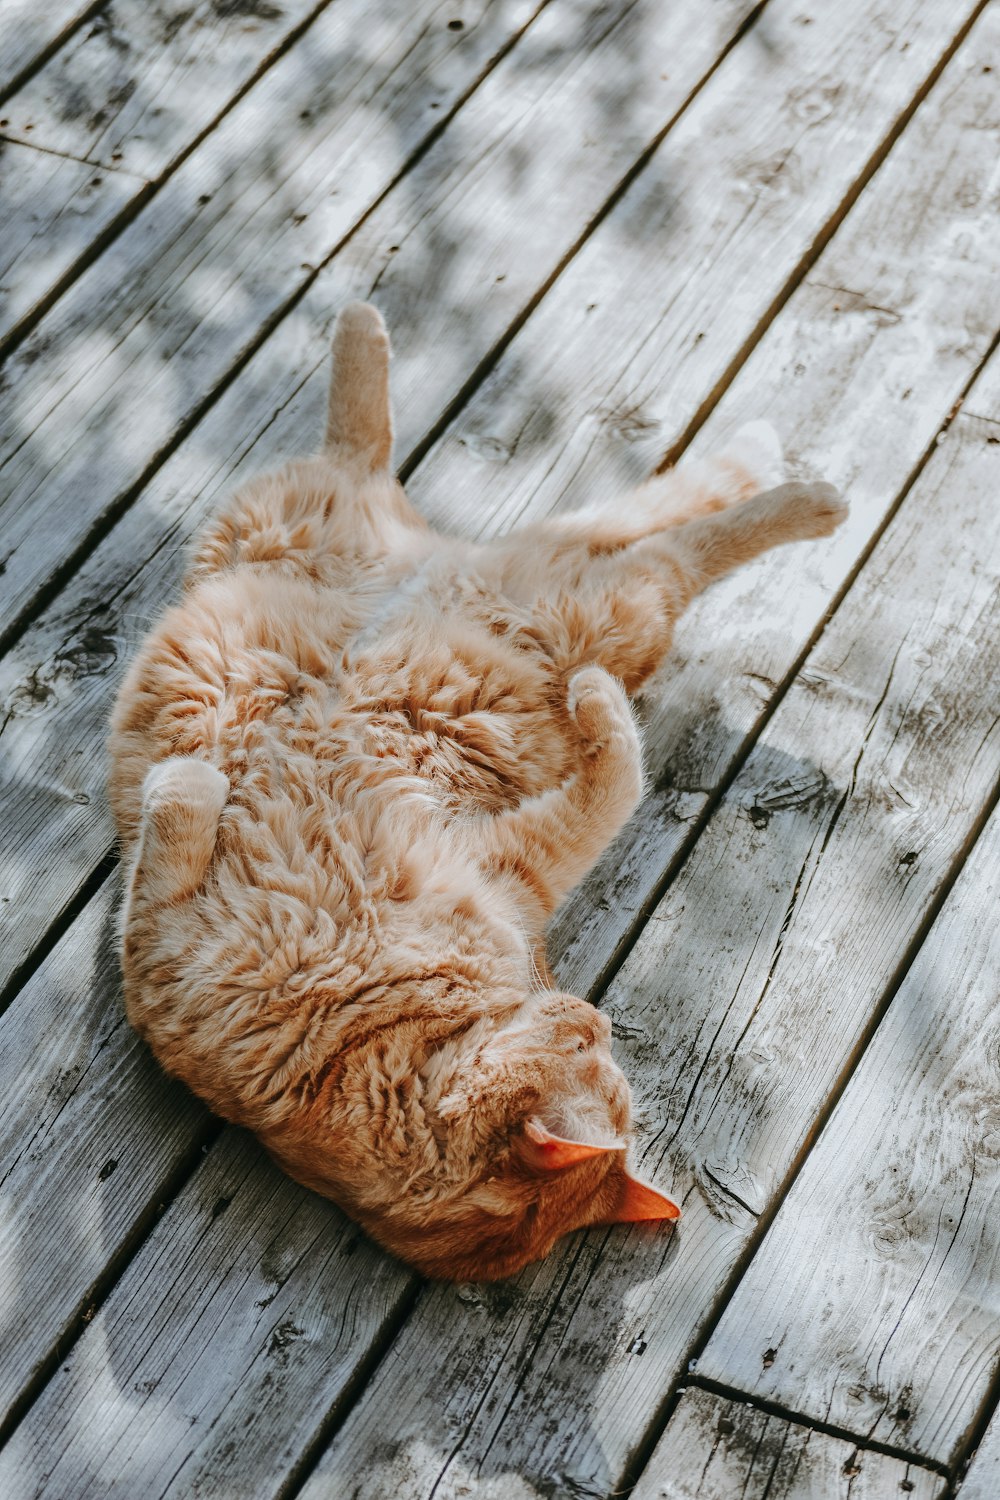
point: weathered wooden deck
(600, 231)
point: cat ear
(551, 1153)
(640, 1202)
(360, 422)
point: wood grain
(182, 295)
(29, 29)
(591, 394)
(547, 1382)
(91, 1131)
(54, 209)
(239, 1326)
(573, 76)
(736, 1011)
(122, 362)
(264, 417)
(875, 1290)
(713, 1449)
(113, 111)
(57, 687)
(134, 87)
(837, 377)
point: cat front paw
(598, 703)
(184, 780)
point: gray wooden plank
(114, 110)
(714, 1449)
(174, 317)
(95, 645)
(237, 1328)
(63, 673)
(593, 394)
(54, 209)
(872, 1303)
(91, 1131)
(736, 1011)
(495, 158)
(121, 363)
(982, 1480)
(135, 86)
(28, 29)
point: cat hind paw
(805, 510)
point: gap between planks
(64, 571)
(59, 577)
(765, 1219)
(717, 1448)
(910, 482)
(96, 1294)
(48, 50)
(63, 574)
(779, 690)
(786, 1414)
(147, 191)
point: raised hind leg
(346, 503)
(620, 612)
(710, 547)
(749, 463)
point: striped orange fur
(355, 770)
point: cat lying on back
(355, 772)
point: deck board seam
(860, 1441)
(82, 897)
(327, 1430)
(822, 239)
(105, 523)
(97, 1293)
(88, 889)
(20, 330)
(781, 688)
(822, 1119)
(46, 53)
(496, 352)
(61, 575)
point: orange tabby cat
(355, 771)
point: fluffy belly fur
(354, 772)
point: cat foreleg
(182, 800)
(549, 842)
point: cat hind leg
(751, 461)
(709, 548)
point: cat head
(531, 1142)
